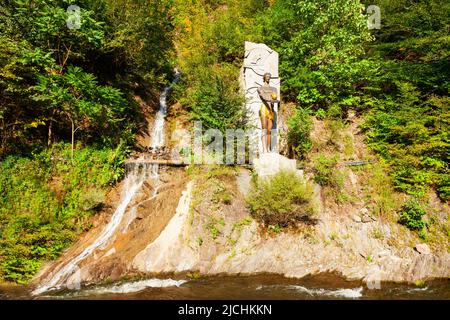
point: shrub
(215, 99)
(283, 199)
(300, 126)
(321, 114)
(411, 215)
(444, 187)
(326, 173)
(334, 112)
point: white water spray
(128, 287)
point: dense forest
(69, 113)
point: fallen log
(165, 162)
(359, 163)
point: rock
(363, 211)
(243, 181)
(353, 178)
(423, 248)
(365, 216)
(356, 218)
(271, 163)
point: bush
(283, 199)
(411, 215)
(334, 112)
(444, 187)
(300, 125)
(408, 130)
(326, 173)
(321, 114)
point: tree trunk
(73, 135)
(49, 138)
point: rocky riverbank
(214, 238)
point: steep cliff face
(218, 238)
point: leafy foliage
(52, 76)
(408, 119)
(282, 199)
(88, 105)
(59, 84)
(300, 126)
(216, 102)
(47, 200)
(325, 171)
(211, 38)
(411, 215)
(320, 44)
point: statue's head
(266, 77)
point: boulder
(423, 248)
(365, 216)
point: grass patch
(377, 233)
(221, 194)
(379, 190)
(213, 226)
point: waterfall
(132, 184)
(157, 137)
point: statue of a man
(269, 97)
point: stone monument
(259, 59)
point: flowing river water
(324, 286)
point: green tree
(320, 45)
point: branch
(67, 57)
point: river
(258, 287)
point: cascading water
(157, 138)
(132, 184)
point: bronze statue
(269, 97)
